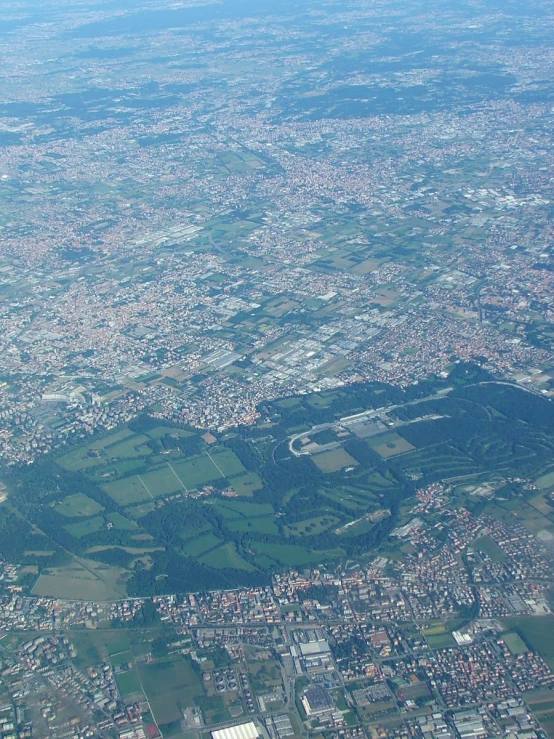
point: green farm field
(226, 556)
(202, 544)
(169, 684)
(78, 505)
(247, 484)
(536, 632)
(515, 643)
(128, 683)
(85, 527)
(295, 556)
(541, 702)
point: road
(374, 413)
(356, 418)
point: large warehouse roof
(315, 647)
(242, 731)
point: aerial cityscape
(277, 369)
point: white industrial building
(241, 731)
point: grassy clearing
(127, 491)
(161, 481)
(322, 400)
(196, 471)
(292, 556)
(260, 525)
(514, 642)
(121, 443)
(78, 460)
(247, 484)
(542, 504)
(160, 431)
(545, 481)
(169, 684)
(389, 445)
(243, 508)
(227, 461)
(542, 704)
(312, 526)
(129, 448)
(348, 500)
(130, 550)
(432, 628)
(78, 505)
(90, 651)
(440, 641)
(128, 682)
(333, 460)
(202, 544)
(139, 511)
(537, 632)
(71, 585)
(226, 556)
(489, 547)
(83, 528)
(121, 523)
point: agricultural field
(244, 509)
(247, 484)
(203, 543)
(169, 684)
(545, 481)
(543, 503)
(536, 632)
(80, 583)
(226, 556)
(78, 505)
(83, 528)
(515, 643)
(295, 556)
(121, 522)
(260, 525)
(541, 702)
(127, 491)
(533, 520)
(128, 683)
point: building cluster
(276, 253)
(371, 639)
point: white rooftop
(241, 731)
